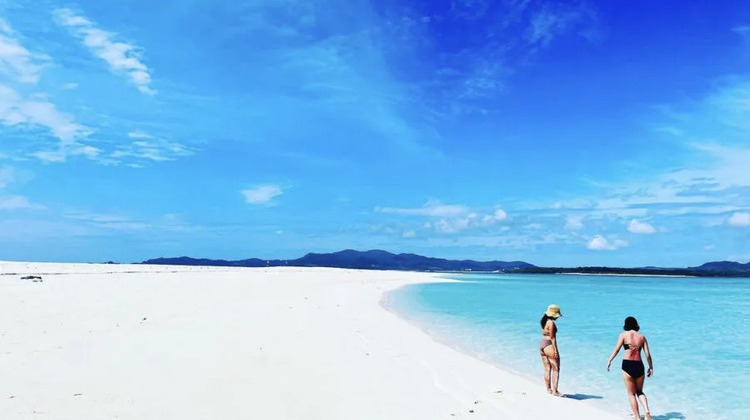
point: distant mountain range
(373, 260)
(384, 260)
(724, 266)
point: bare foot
(557, 393)
(648, 416)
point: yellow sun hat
(553, 311)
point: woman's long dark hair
(544, 320)
(631, 324)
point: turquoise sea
(697, 329)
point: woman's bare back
(633, 343)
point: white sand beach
(95, 342)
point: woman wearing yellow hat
(549, 351)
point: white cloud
(640, 227)
(498, 216)
(454, 225)
(33, 110)
(108, 221)
(600, 243)
(452, 218)
(18, 111)
(15, 60)
(709, 247)
(408, 234)
(170, 222)
(121, 57)
(123, 225)
(157, 150)
(262, 194)
(50, 156)
(14, 202)
(430, 208)
(470, 221)
(708, 188)
(739, 219)
(139, 135)
(573, 222)
(88, 151)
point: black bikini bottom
(634, 368)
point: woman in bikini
(632, 365)
(548, 349)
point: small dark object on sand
(31, 278)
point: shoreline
(136, 342)
(457, 346)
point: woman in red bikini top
(632, 365)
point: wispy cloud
(263, 194)
(573, 222)
(104, 222)
(23, 67)
(108, 221)
(712, 187)
(449, 218)
(552, 21)
(151, 148)
(14, 202)
(467, 79)
(15, 60)
(431, 208)
(600, 243)
(50, 156)
(16, 110)
(120, 56)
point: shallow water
(696, 328)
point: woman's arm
(615, 351)
(553, 336)
(648, 357)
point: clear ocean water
(696, 328)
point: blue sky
(558, 133)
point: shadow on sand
(583, 397)
(672, 415)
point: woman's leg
(555, 377)
(554, 362)
(642, 396)
(630, 387)
(547, 368)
